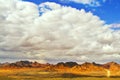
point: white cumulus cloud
(61, 33)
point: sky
(60, 30)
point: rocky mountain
(88, 67)
(113, 66)
(67, 66)
(22, 64)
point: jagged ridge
(67, 66)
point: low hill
(64, 67)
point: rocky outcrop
(113, 66)
(67, 66)
(88, 67)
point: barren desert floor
(36, 74)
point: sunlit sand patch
(108, 73)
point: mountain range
(64, 66)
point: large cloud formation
(52, 33)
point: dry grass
(36, 74)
